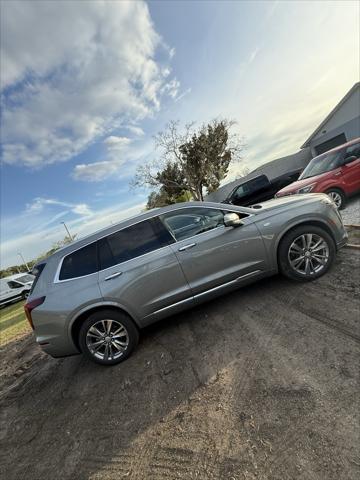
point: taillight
(29, 307)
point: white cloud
(117, 142)
(96, 171)
(77, 71)
(120, 160)
(139, 132)
(171, 88)
(38, 204)
(82, 209)
(183, 94)
(253, 54)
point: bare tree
(191, 161)
(243, 172)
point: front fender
(273, 232)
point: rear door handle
(186, 247)
(337, 174)
(114, 275)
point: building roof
(332, 113)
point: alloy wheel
(308, 254)
(336, 198)
(107, 339)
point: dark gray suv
(94, 295)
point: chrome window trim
(157, 214)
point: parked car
(259, 189)
(336, 172)
(94, 295)
(15, 287)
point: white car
(15, 287)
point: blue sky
(86, 85)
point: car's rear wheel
(338, 197)
(306, 253)
(108, 337)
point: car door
(139, 271)
(212, 255)
(351, 169)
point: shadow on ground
(261, 383)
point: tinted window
(80, 263)
(36, 272)
(242, 190)
(131, 242)
(353, 151)
(252, 186)
(13, 284)
(258, 183)
(192, 221)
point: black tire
(283, 252)
(339, 193)
(131, 339)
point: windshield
(323, 163)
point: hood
(288, 201)
(295, 186)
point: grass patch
(13, 323)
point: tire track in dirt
(286, 445)
(247, 386)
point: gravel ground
(351, 213)
(259, 384)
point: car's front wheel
(306, 253)
(337, 197)
(108, 337)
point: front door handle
(186, 247)
(114, 275)
(337, 174)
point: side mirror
(232, 220)
(350, 159)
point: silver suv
(94, 295)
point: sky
(85, 86)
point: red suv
(336, 172)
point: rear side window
(258, 183)
(251, 186)
(242, 191)
(353, 151)
(131, 242)
(79, 263)
(36, 271)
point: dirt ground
(260, 384)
